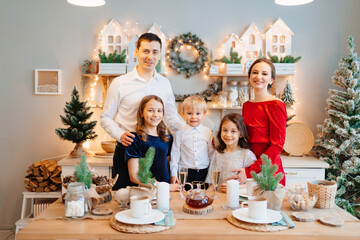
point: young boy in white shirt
(193, 145)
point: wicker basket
(326, 192)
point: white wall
(55, 34)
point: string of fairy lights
(192, 52)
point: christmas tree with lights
(339, 136)
(79, 130)
(287, 95)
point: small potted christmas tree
(144, 174)
(287, 95)
(79, 130)
(268, 184)
(146, 185)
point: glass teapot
(197, 196)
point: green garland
(183, 66)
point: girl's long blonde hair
(140, 125)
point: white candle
(163, 196)
(232, 193)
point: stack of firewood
(43, 176)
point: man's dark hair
(148, 37)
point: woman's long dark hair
(140, 125)
(237, 119)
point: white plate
(243, 215)
(153, 217)
(243, 193)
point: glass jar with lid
(221, 99)
(243, 92)
(75, 200)
(233, 93)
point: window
(274, 49)
(282, 48)
(248, 54)
(110, 39)
(255, 54)
(274, 39)
(252, 39)
(118, 39)
(111, 49)
(118, 49)
(282, 39)
(233, 44)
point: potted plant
(114, 63)
(90, 66)
(284, 65)
(79, 128)
(268, 184)
(147, 181)
(233, 65)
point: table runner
(56, 210)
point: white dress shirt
(191, 148)
(123, 98)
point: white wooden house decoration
(278, 39)
(234, 42)
(248, 65)
(132, 61)
(252, 39)
(112, 37)
(157, 30)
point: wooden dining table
(51, 224)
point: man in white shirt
(118, 117)
(193, 144)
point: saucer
(125, 217)
(243, 193)
(243, 215)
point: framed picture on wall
(47, 81)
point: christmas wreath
(181, 65)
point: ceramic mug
(250, 184)
(257, 207)
(140, 206)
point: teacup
(257, 207)
(140, 206)
(250, 184)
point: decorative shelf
(227, 75)
(243, 75)
(224, 108)
(100, 75)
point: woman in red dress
(265, 119)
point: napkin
(170, 220)
(283, 222)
